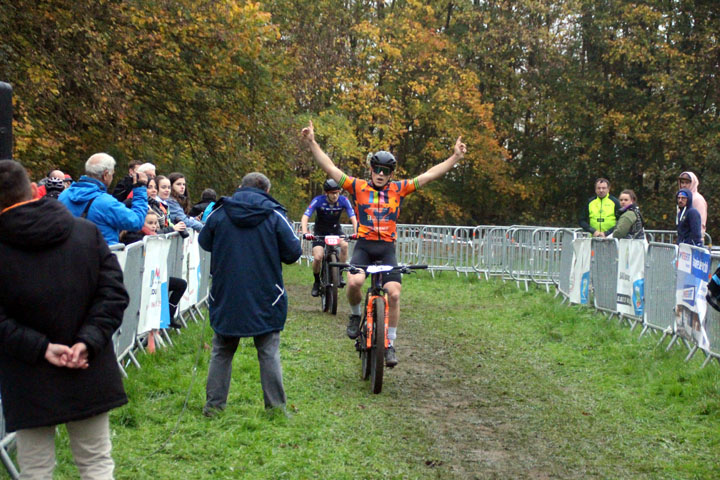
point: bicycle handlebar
(356, 268)
(310, 236)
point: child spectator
(176, 286)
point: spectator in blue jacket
(250, 237)
(88, 198)
(689, 223)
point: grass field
(493, 382)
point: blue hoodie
(110, 215)
(249, 237)
(689, 223)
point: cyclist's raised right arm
(308, 137)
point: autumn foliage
(548, 95)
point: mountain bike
(330, 275)
(373, 341)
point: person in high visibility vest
(600, 215)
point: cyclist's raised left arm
(308, 137)
(442, 168)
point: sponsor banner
(154, 306)
(693, 271)
(631, 277)
(190, 271)
(580, 271)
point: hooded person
(690, 181)
(61, 299)
(688, 220)
(88, 198)
(250, 238)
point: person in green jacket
(631, 223)
(601, 212)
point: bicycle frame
(376, 290)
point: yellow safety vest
(602, 213)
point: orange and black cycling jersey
(377, 210)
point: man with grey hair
(88, 198)
(250, 237)
(148, 169)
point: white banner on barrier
(580, 272)
(190, 271)
(154, 305)
(693, 271)
(631, 277)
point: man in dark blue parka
(249, 236)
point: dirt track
(474, 430)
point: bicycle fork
(369, 319)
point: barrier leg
(192, 314)
(692, 353)
(134, 360)
(164, 333)
(122, 370)
(672, 342)
(5, 457)
(199, 312)
(645, 329)
(140, 344)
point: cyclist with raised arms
(328, 207)
(378, 205)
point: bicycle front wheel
(377, 352)
(324, 280)
(362, 347)
(332, 292)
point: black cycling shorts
(368, 252)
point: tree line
(548, 95)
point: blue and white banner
(693, 271)
(190, 271)
(580, 272)
(631, 277)
(154, 304)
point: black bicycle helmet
(330, 185)
(383, 158)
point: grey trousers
(89, 442)
(220, 370)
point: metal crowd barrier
(603, 273)
(670, 236)
(545, 256)
(660, 265)
(493, 252)
(712, 322)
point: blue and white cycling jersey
(328, 215)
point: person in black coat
(61, 299)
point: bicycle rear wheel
(334, 278)
(377, 353)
